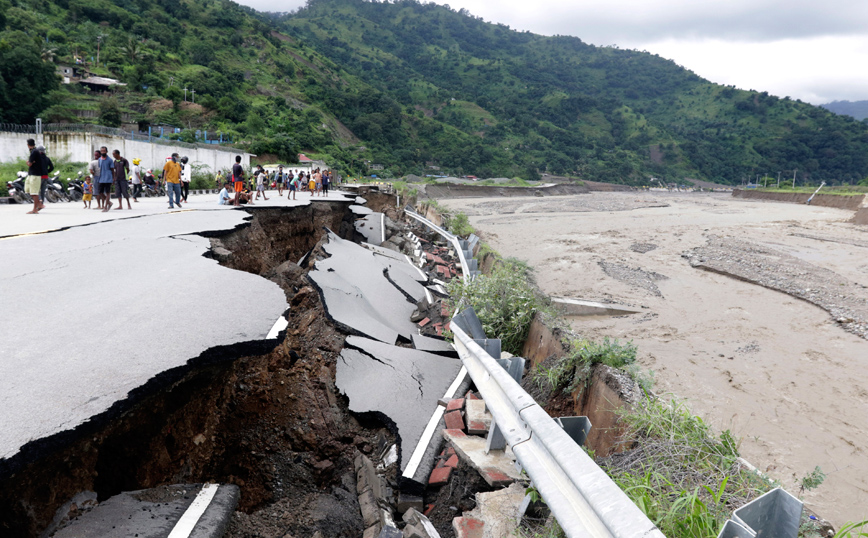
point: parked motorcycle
(16, 189)
(54, 190)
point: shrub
(505, 302)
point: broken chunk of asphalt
(177, 511)
(398, 384)
(358, 296)
(372, 228)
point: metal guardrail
(465, 268)
(585, 501)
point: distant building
(376, 167)
(69, 74)
(100, 84)
(306, 164)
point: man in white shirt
(223, 197)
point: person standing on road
(238, 178)
(136, 173)
(186, 177)
(326, 180)
(47, 168)
(93, 169)
(280, 179)
(34, 176)
(106, 177)
(122, 166)
(172, 177)
(294, 185)
(261, 181)
(87, 189)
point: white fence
(79, 147)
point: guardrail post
(513, 365)
(469, 322)
(731, 529)
(491, 346)
(576, 427)
(495, 439)
(775, 514)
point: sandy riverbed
(778, 371)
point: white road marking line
(428, 433)
(184, 527)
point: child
(260, 184)
(88, 192)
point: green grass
(679, 473)
(574, 369)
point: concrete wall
(825, 200)
(79, 147)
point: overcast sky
(813, 50)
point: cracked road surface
(95, 311)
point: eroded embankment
(482, 191)
(851, 203)
(264, 416)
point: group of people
(316, 182)
(107, 172)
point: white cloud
(816, 70)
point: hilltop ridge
(417, 88)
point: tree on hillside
(22, 98)
(110, 112)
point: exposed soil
(781, 373)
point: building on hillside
(376, 167)
(100, 84)
(70, 74)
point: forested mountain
(857, 109)
(413, 85)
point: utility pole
(779, 179)
(171, 81)
(98, 41)
(185, 94)
(194, 95)
(794, 177)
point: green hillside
(411, 85)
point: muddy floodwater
(753, 312)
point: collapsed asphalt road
(158, 371)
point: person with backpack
(47, 168)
